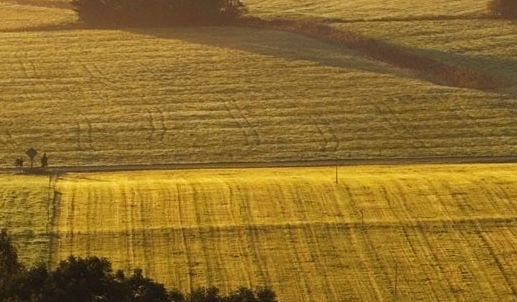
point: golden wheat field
(25, 213)
(130, 96)
(24, 17)
(147, 96)
(481, 43)
(359, 10)
(382, 233)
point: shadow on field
(267, 42)
(302, 40)
(274, 38)
(505, 70)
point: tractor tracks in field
(157, 127)
(249, 132)
(83, 135)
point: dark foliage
(91, 279)
(506, 9)
(9, 266)
(158, 12)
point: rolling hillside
(130, 96)
(359, 10)
(406, 233)
(147, 96)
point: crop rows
(16, 17)
(91, 97)
(25, 211)
(359, 10)
(407, 233)
(480, 43)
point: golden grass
(104, 97)
(481, 43)
(364, 9)
(18, 17)
(439, 232)
(90, 97)
(25, 212)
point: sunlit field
(486, 44)
(24, 17)
(25, 211)
(91, 97)
(247, 95)
(365, 10)
(418, 232)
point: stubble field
(359, 10)
(148, 96)
(190, 95)
(382, 233)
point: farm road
(285, 164)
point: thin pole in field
(336, 175)
(396, 277)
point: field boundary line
(330, 162)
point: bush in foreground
(506, 9)
(158, 12)
(92, 279)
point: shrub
(158, 12)
(92, 279)
(506, 9)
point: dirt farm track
(309, 163)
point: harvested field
(104, 97)
(152, 96)
(480, 43)
(16, 17)
(359, 10)
(25, 211)
(419, 232)
(91, 97)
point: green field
(131, 96)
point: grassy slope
(24, 212)
(147, 96)
(447, 232)
(20, 17)
(481, 43)
(450, 233)
(364, 9)
(93, 97)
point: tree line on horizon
(92, 279)
(158, 12)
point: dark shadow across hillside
(442, 68)
(418, 63)
(271, 43)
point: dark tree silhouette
(31, 153)
(9, 266)
(92, 279)
(158, 12)
(44, 160)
